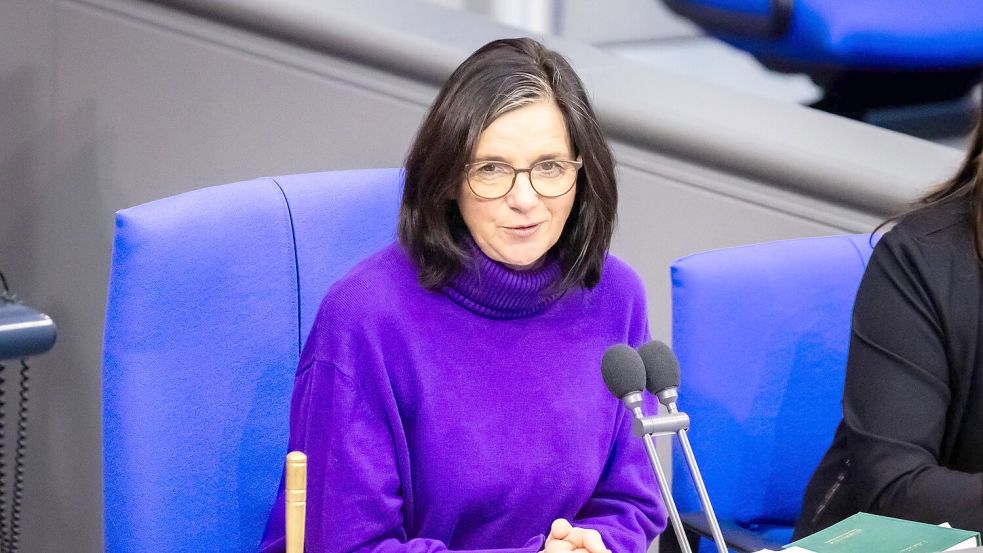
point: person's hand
(560, 546)
(565, 537)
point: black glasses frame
(528, 170)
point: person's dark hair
(502, 76)
(965, 186)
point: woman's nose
(522, 195)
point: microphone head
(623, 370)
(661, 367)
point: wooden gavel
(296, 498)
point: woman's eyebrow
(490, 158)
(543, 157)
(552, 155)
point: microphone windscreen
(661, 366)
(623, 370)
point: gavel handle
(296, 498)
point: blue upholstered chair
(762, 333)
(865, 54)
(211, 296)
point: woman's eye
(549, 169)
(491, 169)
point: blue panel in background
(754, 7)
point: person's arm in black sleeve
(897, 392)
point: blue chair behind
(762, 333)
(866, 54)
(211, 296)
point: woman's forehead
(534, 130)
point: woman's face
(520, 227)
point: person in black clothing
(910, 444)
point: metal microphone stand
(634, 402)
(676, 423)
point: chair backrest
(762, 333)
(211, 296)
(898, 35)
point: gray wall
(109, 103)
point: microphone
(662, 381)
(661, 373)
(624, 375)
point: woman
(449, 395)
(911, 441)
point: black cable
(3, 467)
(5, 295)
(10, 526)
(19, 455)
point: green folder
(867, 533)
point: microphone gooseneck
(662, 381)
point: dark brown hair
(499, 77)
(965, 186)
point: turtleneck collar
(491, 289)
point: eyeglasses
(549, 178)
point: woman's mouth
(523, 231)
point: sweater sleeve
(354, 499)
(626, 506)
(898, 392)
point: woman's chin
(523, 262)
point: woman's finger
(586, 538)
(560, 529)
(558, 546)
(592, 541)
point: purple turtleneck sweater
(468, 419)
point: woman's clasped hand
(565, 537)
